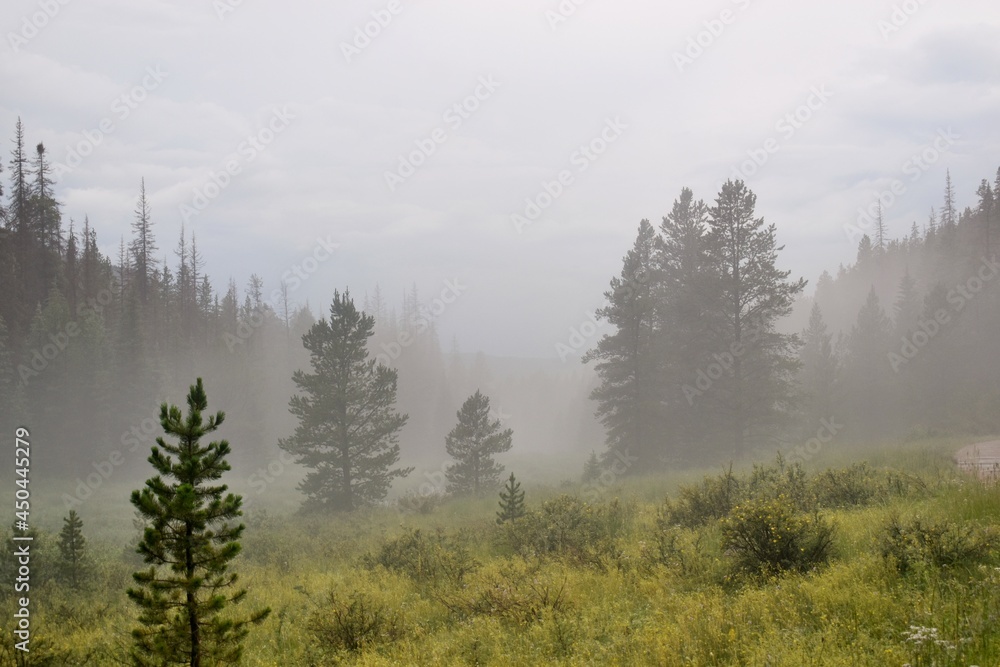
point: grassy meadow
(891, 562)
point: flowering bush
(769, 536)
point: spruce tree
(472, 444)
(348, 427)
(818, 370)
(12, 405)
(986, 204)
(20, 187)
(627, 403)
(683, 289)
(143, 245)
(511, 501)
(906, 310)
(189, 540)
(867, 366)
(73, 565)
(592, 468)
(757, 391)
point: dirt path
(982, 458)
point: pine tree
(12, 405)
(44, 209)
(880, 242)
(511, 501)
(472, 444)
(627, 364)
(986, 203)
(185, 287)
(906, 310)
(757, 392)
(20, 190)
(188, 542)
(683, 287)
(819, 367)
(72, 268)
(348, 426)
(592, 468)
(73, 565)
(864, 251)
(866, 365)
(143, 245)
(948, 215)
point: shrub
(706, 502)
(861, 485)
(769, 536)
(771, 481)
(568, 526)
(425, 557)
(940, 545)
(516, 593)
(420, 503)
(689, 553)
(354, 623)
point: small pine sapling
(73, 565)
(511, 501)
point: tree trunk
(192, 603)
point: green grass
(619, 603)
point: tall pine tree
(754, 294)
(818, 370)
(348, 427)
(627, 403)
(684, 286)
(143, 246)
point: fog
(477, 181)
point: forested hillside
(92, 342)
(901, 343)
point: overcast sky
(311, 117)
